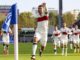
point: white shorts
(64, 41)
(76, 41)
(5, 39)
(42, 37)
(70, 39)
(56, 41)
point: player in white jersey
(71, 38)
(75, 38)
(41, 31)
(6, 40)
(64, 38)
(56, 39)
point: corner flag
(6, 23)
(12, 18)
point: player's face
(40, 9)
(76, 27)
(56, 28)
(64, 24)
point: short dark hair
(40, 6)
(55, 25)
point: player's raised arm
(45, 8)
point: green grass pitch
(26, 48)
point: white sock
(71, 46)
(55, 50)
(66, 51)
(34, 48)
(59, 44)
(4, 47)
(75, 50)
(62, 51)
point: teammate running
(64, 38)
(56, 39)
(76, 39)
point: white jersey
(56, 36)
(41, 31)
(64, 37)
(71, 35)
(75, 35)
(42, 25)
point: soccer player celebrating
(6, 40)
(64, 38)
(41, 31)
(75, 36)
(56, 37)
(71, 37)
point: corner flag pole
(12, 18)
(16, 41)
(16, 36)
(14, 21)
